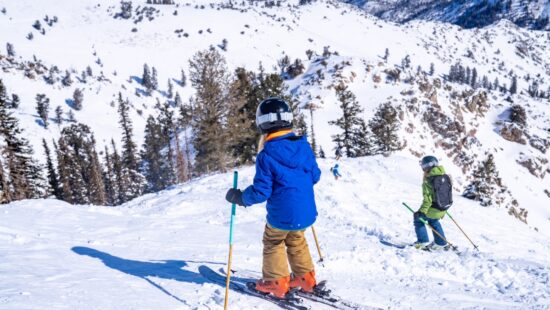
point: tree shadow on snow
(167, 269)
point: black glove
(235, 196)
(417, 215)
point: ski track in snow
(146, 253)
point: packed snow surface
(146, 253)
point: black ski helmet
(428, 162)
(273, 114)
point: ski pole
(317, 244)
(233, 211)
(433, 229)
(475, 246)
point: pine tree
(154, 80)
(181, 165)
(312, 107)
(386, 55)
(183, 80)
(350, 123)
(166, 122)
(53, 180)
(146, 77)
(111, 193)
(10, 50)
(79, 167)
(59, 115)
(151, 155)
(208, 74)
(78, 98)
(43, 108)
(177, 100)
(485, 184)
(241, 130)
(384, 127)
(514, 86)
(134, 179)
(170, 89)
(15, 101)
(120, 180)
(432, 69)
(473, 81)
(67, 79)
(96, 187)
(21, 178)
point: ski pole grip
(421, 219)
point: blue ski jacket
(286, 171)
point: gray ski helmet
(273, 114)
(428, 162)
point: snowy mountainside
(146, 253)
(468, 14)
(458, 123)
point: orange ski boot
(306, 282)
(277, 287)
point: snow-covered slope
(468, 14)
(87, 34)
(146, 254)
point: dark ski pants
(422, 233)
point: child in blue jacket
(286, 171)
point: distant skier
(338, 153)
(437, 193)
(321, 153)
(336, 171)
(286, 171)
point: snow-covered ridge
(468, 14)
(146, 253)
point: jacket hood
(439, 170)
(289, 150)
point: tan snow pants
(281, 248)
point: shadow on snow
(168, 269)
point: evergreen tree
(514, 86)
(473, 81)
(242, 130)
(146, 77)
(181, 165)
(208, 74)
(10, 50)
(59, 115)
(183, 80)
(351, 123)
(135, 181)
(170, 89)
(166, 122)
(67, 79)
(485, 184)
(43, 108)
(120, 179)
(151, 156)
(432, 69)
(154, 80)
(386, 55)
(53, 180)
(79, 167)
(177, 100)
(111, 193)
(78, 98)
(21, 174)
(312, 107)
(15, 101)
(384, 127)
